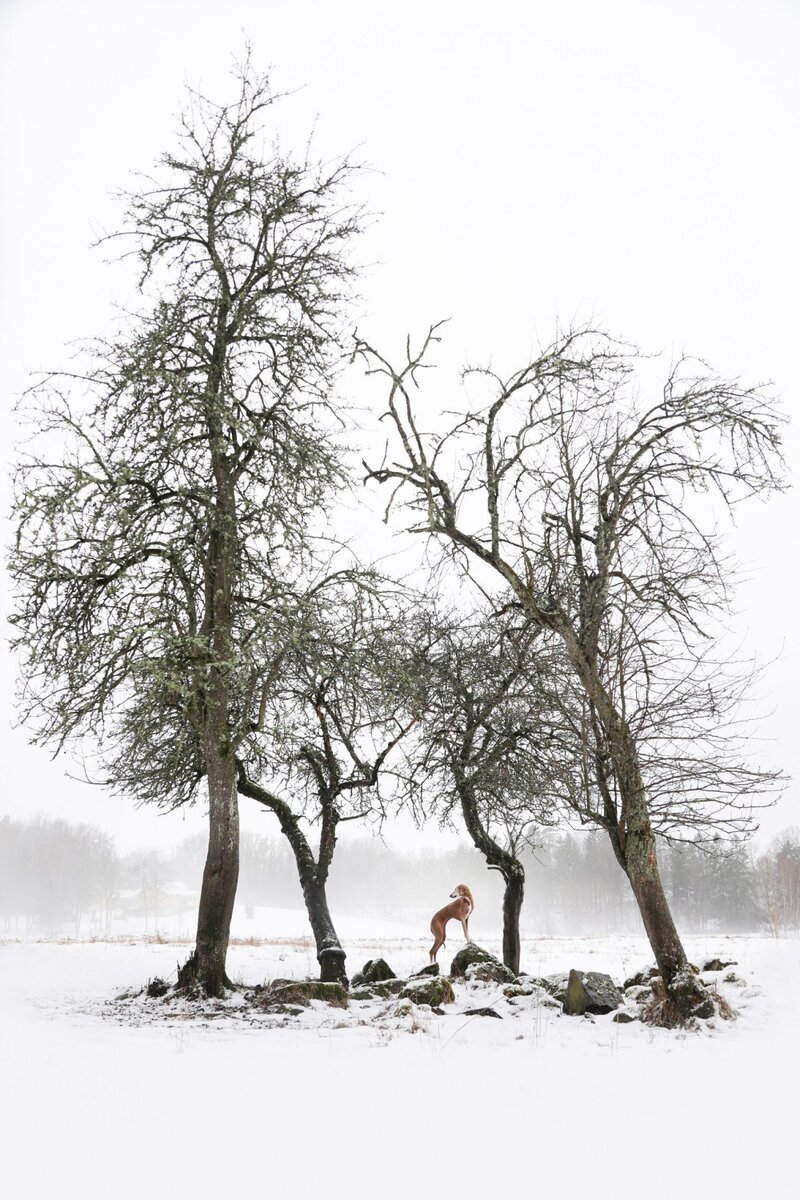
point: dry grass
(725, 1010)
(660, 1010)
(156, 939)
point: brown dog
(459, 910)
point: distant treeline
(56, 877)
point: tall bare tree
(163, 525)
(596, 503)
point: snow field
(93, 1107)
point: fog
(64, 880)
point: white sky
(636, 163)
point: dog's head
(460, 890)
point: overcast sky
(633, 163)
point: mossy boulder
(431, 969)
(374, 970)
(489, 972)
(303, 991)
(381, 990)
(470, 956)
(591, 992)
(717, 964)
(432, 990)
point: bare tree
(162, 527)
(493, 744)
(776, 880)
(598, 509)
(327, 731)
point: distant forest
(57, 878)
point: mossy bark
(206, 967)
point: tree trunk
(330, 954)
(512, 906)
(221, 873)
(633, 840)
(501, 860)
(637, 841)
(206, 966)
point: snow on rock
(374, 970)
(471, 956)
(592, 992)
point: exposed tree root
(684, 1003)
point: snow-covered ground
(94, 1106)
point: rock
(489, 972)
(381, 990)
(481, 1012)
(512, 990)
(640, 978)
(732, 977)
(157, 988)
(469, 956)
(554, 985)
(591, 992)
(531, 990)
(303, 991)
(716, 964)
(431, 969)
(374, 970)
(639, 992)
(623, 1018)
(439, 1011)
(431, 990)
(705, 1009)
